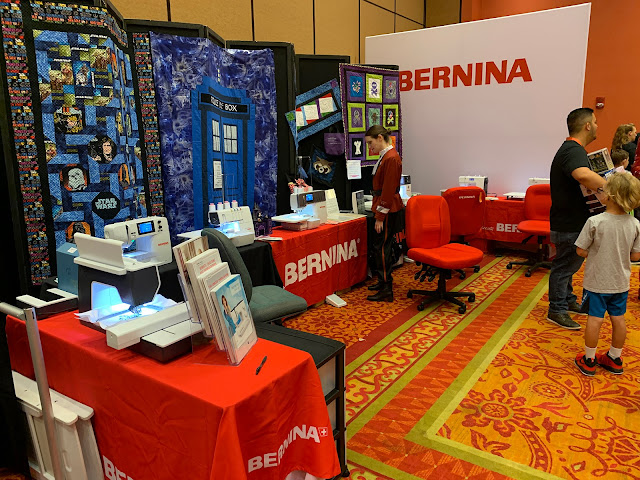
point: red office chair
(466, 214)
(537, 203)
(428, 232)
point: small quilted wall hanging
(370, 97)
(315, 110)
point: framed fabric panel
(373, 98)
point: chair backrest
(427, 222)
(466, 209)
(537, 202)
(229, 253)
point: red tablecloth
(316, 263)
(501, 218)
(187, 419)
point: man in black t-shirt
(569, 212)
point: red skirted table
(501, 218)
(318, 262)
(196, 417)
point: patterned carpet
(491, 394)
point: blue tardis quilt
(90, 128)
(183, 66)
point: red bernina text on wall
(467, 75)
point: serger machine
(309, 211)
(118, 282)
(236, 223)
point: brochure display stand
(217, 302)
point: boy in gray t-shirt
(609, 241)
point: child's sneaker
(587, 366)
(608, 363)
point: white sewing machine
(537, 180)
(236, 223)
(474, 181)
(118, 282)
(144, 239)
(309, 211)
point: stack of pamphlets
(216, 298)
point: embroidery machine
(309, 211)
(236, 223)
(118, 280)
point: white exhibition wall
(487, 98)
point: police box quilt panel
(316, 110)
(371, 97)
(76, 137)
(180, 67)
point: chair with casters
(537, 203)
(428, 233)
(466, 215)
(268, 303)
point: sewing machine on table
(474, 180)
(309, 211)
(236, 223)
(118, 282)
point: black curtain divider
(283, 57)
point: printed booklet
(238, 329)
(184, 252)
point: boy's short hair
(618, 156)
(624, 189)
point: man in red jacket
(386, 206)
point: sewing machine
(474, 181)
(236, 223)
(118, 280)
(538, 180)
(309, 211)
(144, 239)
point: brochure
(184, 252)
(238, 329)
(211, 318)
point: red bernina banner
(196, 417)
(316, 263)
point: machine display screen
(309, 197)
(145, 227)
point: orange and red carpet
(490, 394)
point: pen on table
(261, 364)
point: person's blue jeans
(564, 265)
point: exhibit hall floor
(490, 394)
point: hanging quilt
(315, 110)
(78, 161)
(370, 97)
(90, 131)
(180, 67)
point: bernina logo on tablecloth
(319, 262)
(111, 472)
(273, 459)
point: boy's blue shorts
(599, 303)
